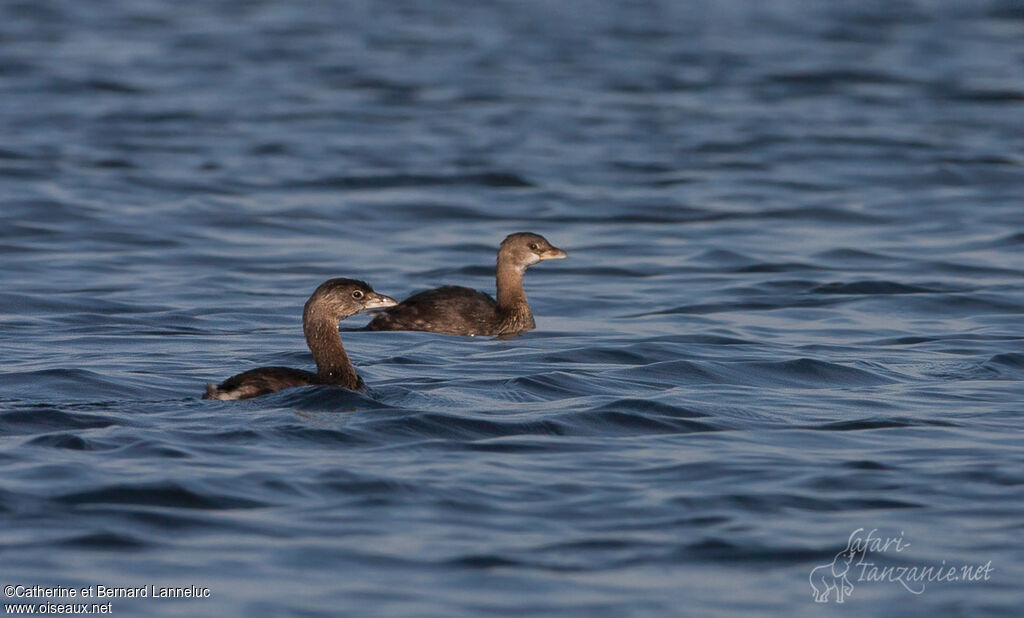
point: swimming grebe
(455, 310)
(333, 301)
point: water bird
(456, 310)
(333, 301)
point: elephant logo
(827, 578)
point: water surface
(792, 306)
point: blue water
(792, 306)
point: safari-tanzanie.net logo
(864, 560)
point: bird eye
(533, 246)
(357, 294)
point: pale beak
(554, 253)
(378, 301)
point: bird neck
(509, 282)
(332, 363)
(512, 304)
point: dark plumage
(456, 310)
(333, 301)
